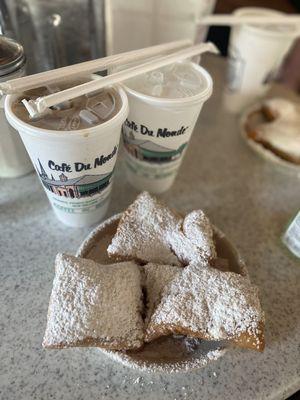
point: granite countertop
(243, 195)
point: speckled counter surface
(244, 196)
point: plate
(268, 155)
(166, 354)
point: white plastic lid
(204, 92)
(269, 30)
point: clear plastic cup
(14, 160)
(255, 55)
(157, 132)
(75, 167)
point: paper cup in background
(255, 55)
(157, 132)
(75, 167)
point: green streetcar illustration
(75, 188)
(146, 150)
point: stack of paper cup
(157, 132)
(75, 167)
(255, 54)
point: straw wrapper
(41, 104)
(232, 19)
(18, 85)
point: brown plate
(166, 354)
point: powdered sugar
(92, 304)
(141, 232)
(281, 108)
(157, 278)
(210, 304)
(283, 135)
(205, 300)
(170, 354)
(198, 230)
(193, 243)
(162, 362)
(151, 232)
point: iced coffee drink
(164, 107)
(79, 113)
(73, 147)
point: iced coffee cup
(164, 106)
(255, 55)
(74, 149)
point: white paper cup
(255, 54)
(75, 167)
(157, 132)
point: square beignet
(95, 305)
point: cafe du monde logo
(75, 188)
(147, 150)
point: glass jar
(14, 160)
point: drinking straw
(41, 104)
(231, 19)
(87, 67)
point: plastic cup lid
(205, 90)
(280, 30)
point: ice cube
(157, 90)
(182, 72)
(187, 91)
(88, 117)
(155, 77)
(192, 86)
(104, 107)
(69, 123)
(74, 122)
(186, 77)
(63, 123)
(178, 91)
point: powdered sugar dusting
(198, 358)
(157, 279)
(280, 135)
(194, 242)
(141, 232)
(93, 304)
(283, 135)
(198, 230)
(163, 355)
(281, 108)
(208, 303)
(151, 232)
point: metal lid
(12, 55)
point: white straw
(42, 103)
(88, 67)
(231, 19)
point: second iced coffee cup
(74, 150)
(164, 107)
